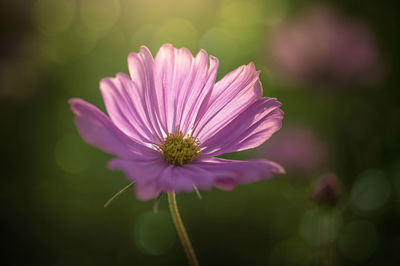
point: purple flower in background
(322, 46)
(297, 148)
(168, 119)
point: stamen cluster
(178, 149)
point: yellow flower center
(178, 149)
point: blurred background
(335, 67)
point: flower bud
(327, 190)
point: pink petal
(127, 107)
(153, 176)
(186, 177)
(141, 69)
(182, 86)
(145, 173)
(96, 129)
(231, 95)
(227, 174)
(174, 179)
(247, 130)
(129, 100)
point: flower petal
(186, 178)
(145, 174)
(153, 176)
(229, 173)
(128, 100)
(163, 96)
(96, 129)
(230, 96)
(249, 129)
(183, 85)
(127, 108)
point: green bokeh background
(54, 185)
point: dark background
(53, 185)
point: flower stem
(119, 193)
(180, 228)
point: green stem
(180, 228)
(119, 193)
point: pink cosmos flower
(323, 46)
(168, 119)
